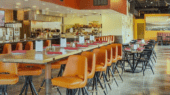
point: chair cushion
(63, 61)
(29, 71)
(100, 67)
(119, 57)
(6, 79)
(114, 60)
(55, 65)
(68, 82)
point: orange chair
(119, 51)
(91, 60)
(109, 64)
(19, 46)
(101, 65)
(47, 43)
(7, 49)
(29, 70)
(74, 76)
(115, 59)
(29, 45)
(8, 75)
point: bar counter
(55, 40)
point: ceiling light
(58, 11)
(56, 6)
(34, 6)
(17, 7)
(145, 6)
(47, 8)
(43, 3)
(18, 3)
(25, 0)
(68, 9)
(151, 2)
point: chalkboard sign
(100, 2)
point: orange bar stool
(29, 70)
(8, 76)
(47, 43)
(7, 49)
(115, 59)
(101, 65)
(109, 64)
(97, 39)
(74, 76)
(29, 45)
(19, 46)
(91, 60)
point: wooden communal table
(33, 57)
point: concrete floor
(133, 84)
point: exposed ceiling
(152, 6)
(40, 5)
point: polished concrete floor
(133, 84)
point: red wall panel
(119, 6)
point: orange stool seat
(55, 65)
(29, 71)
(100, 67)
(6, 79)
(63, 61)
(68, 82)
(119, 57)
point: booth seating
(163, 38)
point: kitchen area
(30, 25)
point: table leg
(133, 62)
(48, 79)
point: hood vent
(41, 15)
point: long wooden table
(33, 57)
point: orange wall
(119, 6)
(68, 3)
(88, 4)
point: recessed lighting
(43, 3)
(151, 2)
(18, 3)
(145, 6)
(34, 6)
(25, 0)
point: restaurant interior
(84, 47)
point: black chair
(160, 40)
(145, 59)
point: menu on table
(39, 45)
(81, 39)
(63, 42)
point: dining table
(40, 58)
(134, 54)
(129, 51)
